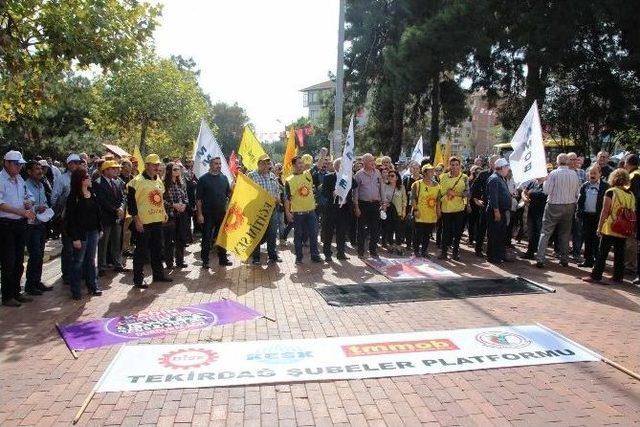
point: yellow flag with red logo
(289, 153)
(247, 217)
(250, 149)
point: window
(305, 99)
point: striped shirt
(267, 181)
(562, 186)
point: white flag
(417, 154)
(528, 160)
(206, 149)
(345, 175)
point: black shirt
(479, 187)
(81, 215)
(213, 191)
(537, 197)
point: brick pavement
(41, 384)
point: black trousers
(369, 223)
(589, 236)
(148, 245)
(335, 221)
(392, 227)
(421, 237)
(606, 243)
(481, 231)
(534, 228)
(13, 234)
(452, 225)
(496, 237)
(210, 230)
(472, 224)
(174, 244)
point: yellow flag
(250, 149)
(289, 154)
(138, 156)
(247, 217)
(437, 158)
(447, 153)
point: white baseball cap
(73, 158)
(43, 162)
(14, 156)
(500, 163)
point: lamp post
(337, 120)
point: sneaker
(11, 303)
(23, 298)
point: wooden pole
(84, 406)
(73, 352)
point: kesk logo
(499, 339)
(188, 359)
(235, 219)
(430, 202)
(155, 198)
(304, 191)
(437, 344)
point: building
(313, 96)
(483, 122)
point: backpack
(624, 222)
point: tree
(156, 99)
(41, 40)
(230, 120)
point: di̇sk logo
(235, 218)
(155, 198)
(188, 358)
(501, 339)
(304, 191)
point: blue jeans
(305, 224)
(66, 258)
(36, 236)
(84, 264)
(270, 236)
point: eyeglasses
(176, 169)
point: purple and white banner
(115, 330)
(398, 269)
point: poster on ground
(409, 268)
(116, 330)
(153, 367)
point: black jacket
(604, 186)
(81, 216)
(109, 199)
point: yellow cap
(109, 164)
(378, 161)
(154, 159)
(307, 159)
(263, 157)
(426, 167)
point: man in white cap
(61, 189)
(15, 210)
(498, 210)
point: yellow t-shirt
(427, 201)
(149, 198)
(300, 189)
(458, 202)
(621, 198)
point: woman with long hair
(176, 203)
(617, 199)
(82, 225)
(394, 204)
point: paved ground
(42, 384)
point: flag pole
(334, 147)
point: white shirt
(13, 192)
(60, 191)
(562, 186)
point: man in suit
(109, 190)
(589, 207)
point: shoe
(41, 286)
(225, 262)
(298, 262)
(23, 298)
(479, 254)
(96, 293)
(540, 264)
(101, 273)
(255, 262)
(585, 264)
(76, 297)
(374, 254)
(328, 258)
(163, 279)
(455, 256)
(11, 303)
(316, 259)
(636, 281)
(443, 255)
(495, 261)
(141, 285)
(527, 256)
(205, 265)
(33, 291)
(182, 265)
(342, 257)
(564, 263)
(590, 279)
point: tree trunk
(143, 136)
(535, 86)
(435, 113)
(397, 128)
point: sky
(258, 53)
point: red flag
(300, 135)
(233, 163)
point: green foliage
(40, 40)
(230, 120)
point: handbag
(624, 222)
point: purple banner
(115, 330)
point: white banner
(417, 154)
(152, 367)
(528, 160)
(345, 175)
(206, 149)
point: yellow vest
(621, 199)
(301, 191)
(427, 202)
(149, 198)
(457, 203)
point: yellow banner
(138, 156)
(289, 154)
(247, 217)
(250, 149)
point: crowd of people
(104, 211)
